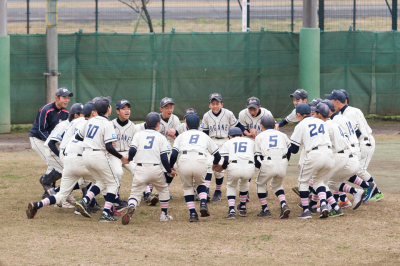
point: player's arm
(257, 152)
(175, 152)
(295, 140)
(133, 147)
(242, 120)
(43, 118)
(164, 149)
(109, 138)
(289, 118)
(204, 125)
(110, 148)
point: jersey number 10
(92, 131)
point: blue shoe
(369, 191)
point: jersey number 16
(242, 147)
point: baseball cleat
(334, 213)
(377, 197)
(368, 192)
(345, 204)
(83, 208)
(296, 190)
(128, 215)
(264, 213)
(51, 191)
(217, 196)
(152, 200)
(248, 197)
(208, 195)
(358, 198)
(107, 218)
(121, 206)
(324, 212)
(194, 218)
(77, 212)
(65, 205)
(285, 211)
(45, 195)
(32, 210)
(231, 216)
(145, 197)
(204, 210)
(95, 208)
(242, 210)
(165, 217)
(313, 209)
(305, 215)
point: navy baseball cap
(253, 102)
(330, 104)
(268, 121)
(323, 109)
(121, 104)
(336, 95)
(189, 111)
(215, 96)
(299, 94)
(63, 92)
(303, 108)
(88, 108)
(314, 103)
(101, 97)
(346, 94)
(76, 108)
(235, 131)
(102, 104)
(192, 120)
(152, 119)
(166, 101)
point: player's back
(311, 133)
(272, 143)
(57, 132)
(349, 127)
(149, 145)
(195, 140)
(239, 148)
(357, 116)
(71, 131)
(98, 131)
(337, 137)
(75, 146)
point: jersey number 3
(150, 145)
(314, 127)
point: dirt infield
(368, 235)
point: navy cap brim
(68, 93)
(253, 105)
(313, 108)
(295, 95)
(329, 96)
(216, 98)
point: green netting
(144, 68)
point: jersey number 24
(313, 129)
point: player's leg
(186, 167)
(199, 170)
(367, 151)
(117, 170)
(262, 180)
(231, 185)
(277, 187)
(159, 182)
(246, 173)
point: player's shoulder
(243, 112)
(226, 111)
(265, 111)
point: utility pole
(51, 50)
(5, 118)
(309, 63)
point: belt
(76, 155)
(283, 157)
(350, 156)
(139, 164)
(316, 148)
(235, 161)
(366, 139)
(185, 152)
(96, 150)
(352, 145)
(368, 144)
(341, 151)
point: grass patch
(265, 238)
(11, 176)
(18, 128)
(343, 247)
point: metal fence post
(354, 15)
(96, 12)
(27, 16)
(5, 102)
(227, 15)
(163, 15)
(394, 14)
(292, 16)
(321, 14)
(248, 15)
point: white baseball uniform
(346, 164)
(218, 127)
(349, 128)
(53, 161)
(173, 122)
(367, 140)
(241, 163)
(250, 122)
(193, 146)
(292, 117)
(96, 133)
(273, 146)
(319, 158)
(69, 134)
(149, 145)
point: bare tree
(138, 8)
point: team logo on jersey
(114, 136)
(202, 125)
(168, 147)
(59, 137)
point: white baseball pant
(239, 173)
(366, 155)
(192, 171)
(274, 170)
(344, 168)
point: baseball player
(299, 96)
(318, 160)
(272, 147)
(216, 123)
(73, 171)
(193, 145)
(46, 120)
(365, 137)
(150, 149)
(97, 136)
(238, 153)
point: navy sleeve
(226, 162)
(53, 147)
(112, 150)
(358, 133)
(293, 148)
(288, 155)
(77, 137)
(241, 127)
(132, 153)
(42, 125)
(207, 132)
(257, 162)
(174, 157)
(282, 123)
(217, 158)
(176, 133)
(164, 160)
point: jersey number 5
(273, 142)
(314, 127)
(150, 145)
(92, 131)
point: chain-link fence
(28, 16)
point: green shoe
(377, 197)
(107, 218)
(333, 213)
(313, 211)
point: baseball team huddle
(87, 151)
